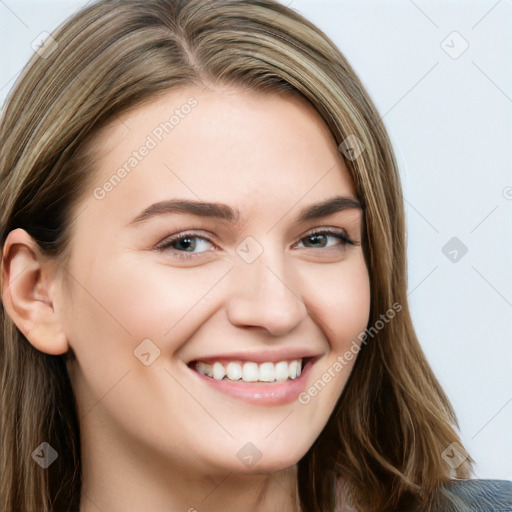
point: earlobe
(28, 293)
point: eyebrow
(225, 212)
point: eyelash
(166, 244)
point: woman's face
(195, 243)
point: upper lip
(264, 356)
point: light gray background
(450, 120)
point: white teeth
(233, 371)
(218, 371)
(252, 372)
(267, 372)
(281, 371)
(292, 370)
(205, 369)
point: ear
(29, 289)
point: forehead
(225, 144)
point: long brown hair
(388, 431)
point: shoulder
(476, 496)
(454, 496)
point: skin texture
(155, 437)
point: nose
(263, 296)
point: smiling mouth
(251, 372)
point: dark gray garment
(476, 496)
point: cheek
(112, 309)
(341, 308)
(125, 300)
(161, 302)
(343, 304)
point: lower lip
(262, 394)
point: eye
(185, 245)
(321, 239)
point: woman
(203, 277)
